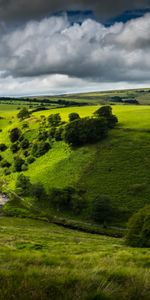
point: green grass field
(43, 261)
(117, 166)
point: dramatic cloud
(19, 9)
(53, 53)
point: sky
(56, 47)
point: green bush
(30, 159)
(18, 163)
(5, 163)
(85, 131)
(23, 185)
(101, 209)
(23, 113)
(15, 134)
(54, 120)
(73, 116)
(7, 171)
(38, 191)
(106, 112)
(15, 147)
(40, 148)
(138, 234)
(24, 144)
(3, 147)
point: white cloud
(52, 54)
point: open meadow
(44, 261)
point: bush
(30, 159)
(15, 147)
(1, 158)
(24, 144)
(18, 163)
(3, 147)
(138, 234)
(5, 163)
(101, 209)
(43, 135)
(73, 116)
(24, 167)
(67, 199)
(40, 148)
(106, 112)
(15, 134)
(85, 131)
(23, 185)
(23, 113)
(7, 171)
(38, 191)
(59, 133)
(54, 120)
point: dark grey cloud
(88, 51)
(29, 9)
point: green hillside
(117, 166)
(43, 261)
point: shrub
(24, 167)
(38, 191)
(30, 159)
(1, 158)
(15, 147)
(138, 234)
(54, 120)
(73, 116)
(67, 199)
(43, 135)
(85, 131)
(40, 148)
(106, 112)
(7, 171)
(15, 134)
(5, 163)
(24, 144)
(3, 147)
(23, 113)
(23, 185)
(101, 209)
(18, 163)
(59, 133)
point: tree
(73, 116)
(38, 191)
(3, 147)
(23, 113)
(138, 234)
(106, 112)
(40, 148)
(18, 163)
(54, 120)
(23, 185)
(15, 134)
(85, 131)
(15, 147)
(101, 209)
(24, 144)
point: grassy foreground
(43, 261)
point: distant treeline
(127, 100)
(43, 101)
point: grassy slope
(118, 167)
(42, 261)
